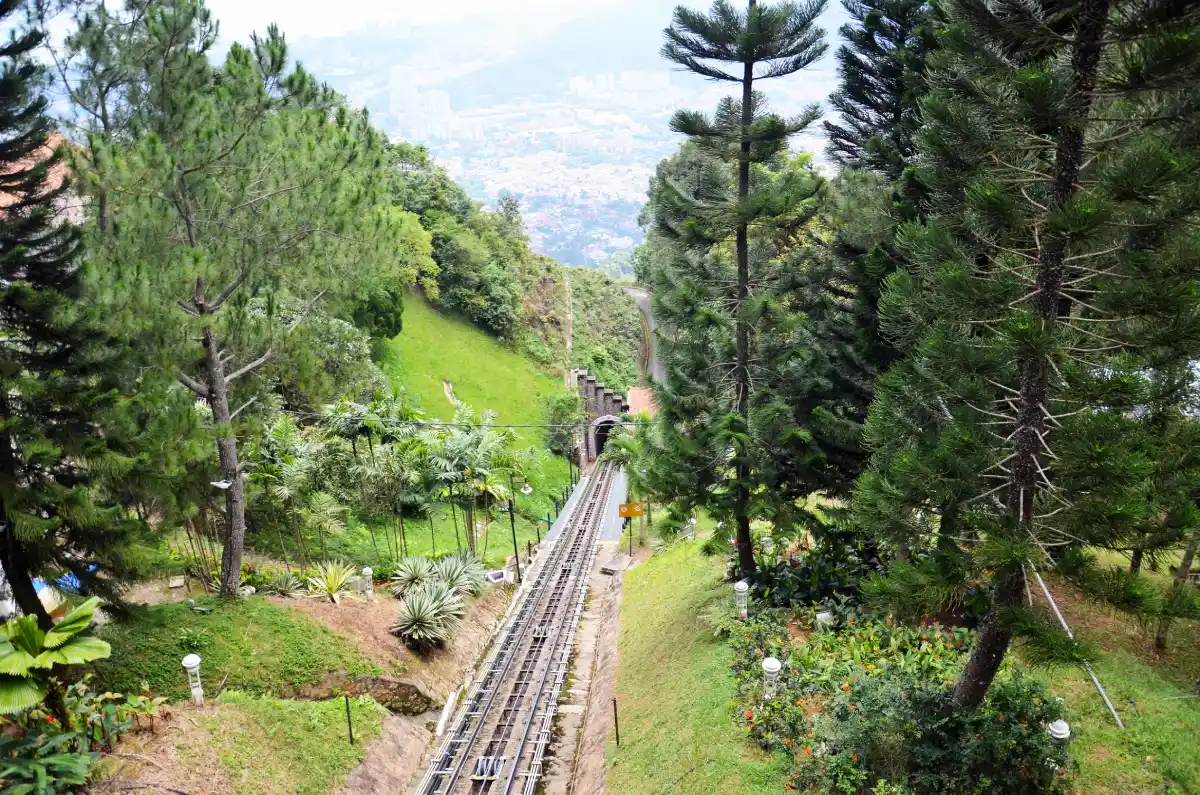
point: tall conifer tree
(1056, 270)
(766, 41)
(59, 370)
(880, 67)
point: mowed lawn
(675, 692)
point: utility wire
(447, 424)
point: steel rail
(591, 527)
(544, 596)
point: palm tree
(473, 459)
(326, 515)
(628, 448)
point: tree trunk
(1050, 303)
(642, 530)
(741, 370)
(990, 646)
(1181, 577)
(227, 452)
(15, 562)
(1135, 561)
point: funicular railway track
(498, 739)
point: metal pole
(350, 726)
(512, 521)
(1087, 666)
(616, 722)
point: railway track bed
(498, 738)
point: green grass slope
(246, 643)
(674, 689)
(436, 348)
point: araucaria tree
(742, 188)
(60, 371)
(880, 66)
(1055, 272)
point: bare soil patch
(176, 757)
(368, 624)
(392, 759)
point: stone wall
(598, 402)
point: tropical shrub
(905, 732)
(282, 583)
(30, 660)
(462, 571)
(411, 572)
(837, 566)
(37, 764)
(831, 662)
(331, 578)
(193, 639)
(429, 615)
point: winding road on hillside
(643, 300)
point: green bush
(461, 571)
(282, 583)
(331, 578)
(411, 572)
(837, 566)
(429, 615)
(43, 763)
(829, 663)
(905, 732)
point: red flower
(49, 719)
(749, 714)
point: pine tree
(1056, 271)
(708, 398)
(241, 198)
(880, 68)
(60, 371)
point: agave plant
(411, 572)
(429, 615)
(31, 660)
(331, 579)
(285, 584)
(461, 571)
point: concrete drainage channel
(497, 740)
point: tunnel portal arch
(599, 431)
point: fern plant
(429, 615)
(331, 578)
(461, 571)
(411, 572)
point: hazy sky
(312, 18)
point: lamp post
(512, 519)
(741, 589)
(191, 664)
(770, 667)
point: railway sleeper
(488, 768)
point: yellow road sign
(631, 509)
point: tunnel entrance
(602, 431)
